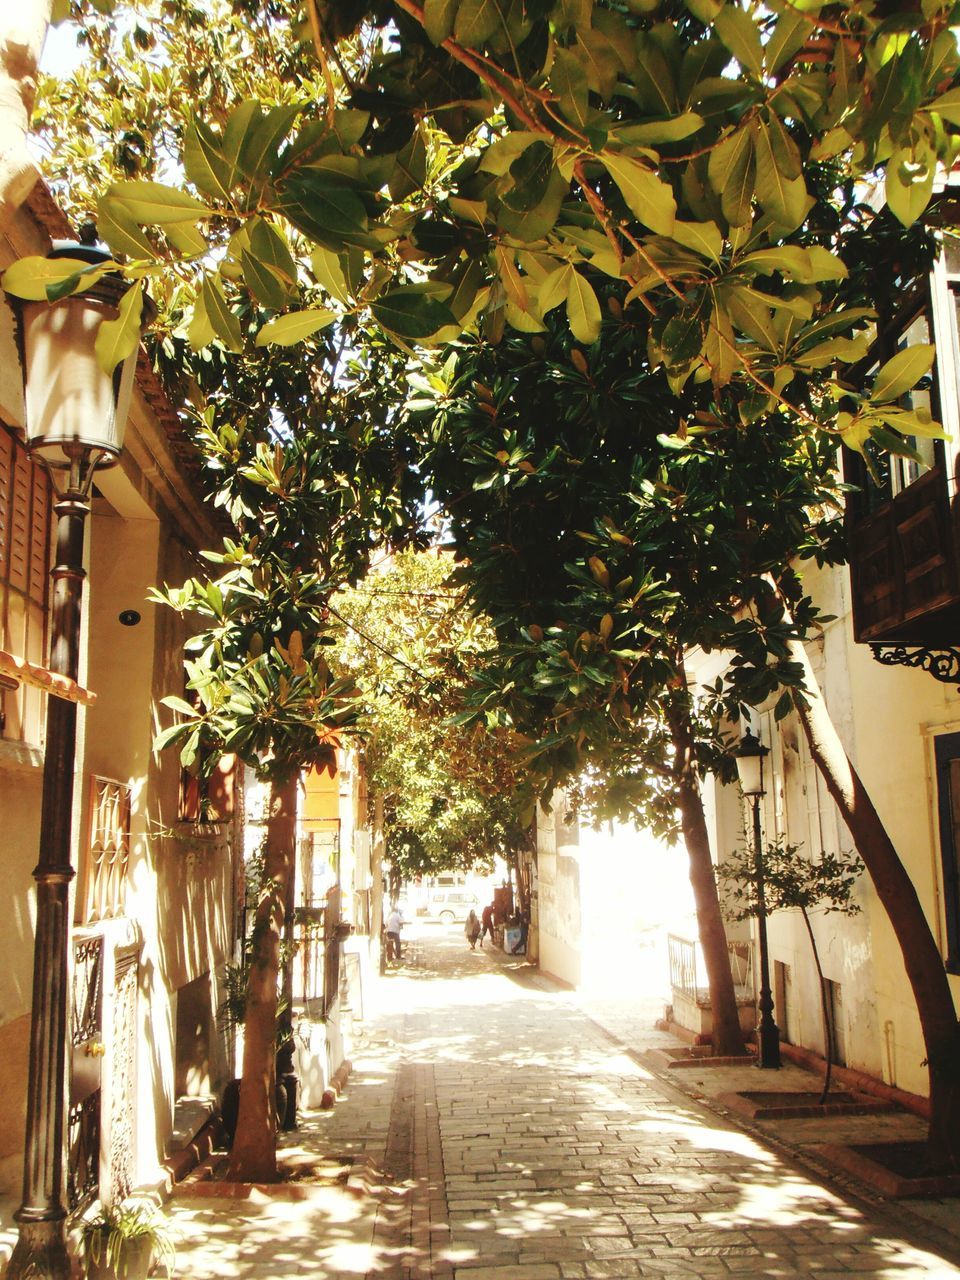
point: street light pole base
(768, 1047)
(40, 1253)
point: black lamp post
(749, 756)
(75, 416)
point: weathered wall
(887, 718)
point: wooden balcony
(904, 559)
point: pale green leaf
(783, 198)
(702, 237)
(655, 132)
(199, 331)
(326, 267)
(647, 196)
(583, 309)
(117, 339)
(901, 372)
(225, 323)
(156, 204)
(32, 277)
(739, 32)
(285, 331)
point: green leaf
(285, 331)
(785, 150)
(500, 155)
(187, 239)
(156, 204)
(117, 339)
(599, 59)
(179, 705)
(411, 313)
(438, 16)
(225, 324)
(647, 196)
(909, 183)
(783, 198)
(568, 80)
(702, 237)
(553, 289)
(262, 283)
(121, 232)
(260, 140)
(731, 173)
(741, 35)
(200, 331)
(682, 339)
(583, 309)
(789, 35)
(204, 164)
(654, 132)
(895, 378)
(331, 215)
(948, 106)
(326, 267)
(410, 169)
(32, 277)
(476, 22)
(270, 246)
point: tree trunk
(727, 1038)
(824, 1007)
(921, 956)
(253, 1157)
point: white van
(448, 905)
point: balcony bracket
(943, 663)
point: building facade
(155, 898)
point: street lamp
(749, 756)
(75, 416)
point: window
(25, 502)
(947, 752)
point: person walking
(471, 929)
(487, 923)
(394, 923)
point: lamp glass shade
(69, 399)
(749, 757)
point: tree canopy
(463, 163)
(454, 796)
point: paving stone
(523, 1144)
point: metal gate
(86, 1038)
(122, 1077)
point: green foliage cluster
(466, 164)
(453, 796)
(605, 536)
(308, 510)
(791, 880)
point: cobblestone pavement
(517, 1142)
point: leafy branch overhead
(464, 165)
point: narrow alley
(491, 1131)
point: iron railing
(688, 973)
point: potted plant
(122, 1242)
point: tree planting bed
(698, 1055)
(899, 1170)
(775, 1104)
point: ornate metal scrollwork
(942, 663)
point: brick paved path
(518, 1143)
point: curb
(336, 1086)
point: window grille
(25, 505)
(108, 849)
